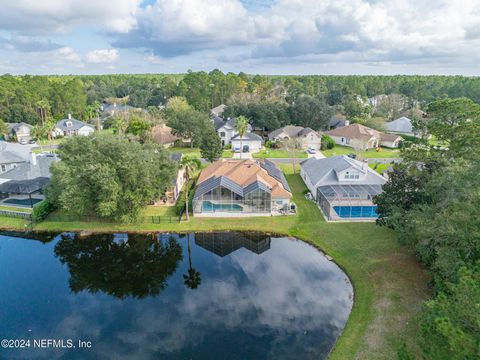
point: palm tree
(192, 278)
(241, 126)
(44, 107)
(190, 165)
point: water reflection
(288, 303)
(118, 264)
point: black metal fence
(164, 219)
(16, 214)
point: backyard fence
(16, 214)
(164, 219)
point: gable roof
(400, 125)
(336, 122)
(228, 124)
(238, 175)
(29, 171)
(218, 110)
(162, 134)
(249, 136)
(290, 130)
(325, 171)
(15, 126)
(76, 124)
(354, 131)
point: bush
(41, 210)
(180, 205)
(228, 147)
(327, 142)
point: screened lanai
(348, 201)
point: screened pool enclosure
(348, 201)
(224, 196)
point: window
(347, 141)
(352, 175)
(222, 134)
(4, 168)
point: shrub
(41, 210)
(327, 142)
(228, 147)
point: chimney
(365, 165)
(33, 158)
(69, 116)
(347, 122)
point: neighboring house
(173, 191)
(72, 127)
(225, 243)
(248, 143)
(363, 138)
(226, 129)
(310, 138)
(21, 131)
(162, 134)
(337, 122)
(342, 187)
(241, 188)
(401, 126)
(218, 111)
(108, 110)
(31, 177)
(11, 156)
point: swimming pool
(356, 211)
(208, 206)
(23, 202)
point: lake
(169, 296)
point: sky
(266, 36)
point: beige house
(310, 138)
(162, 134)
(361, 137)
(21, 131)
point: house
(241, 188)
(308, 137)
(248, 143)
(162, 134)
(218, 110)
(400, 126)
(12, 155)
(337, 122)
(108, 110)
(226, 129)
(342, 187)
(18, 186)
(360, 137)
(72, 127)
(20, 131)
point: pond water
(167, 296)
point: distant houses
(72, 127)
(342, 187)
(162, 134)
(226, 129)
(248, 143)
(400, 126)
(12, 155)
(20, 131)
(241, 188)
(308, 137)
(360, 137)
(218, 110)
(337, 121)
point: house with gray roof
(226, 129)
(308, 137)
(21, 131)
(72, 127)
(12, 155)
(401, 126)
(342, 187)
(248, 143)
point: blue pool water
(24, 202)
(211, 207)
(356, 211)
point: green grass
(380, 168)
(195, 152)
(56, 141)
(368, 154)
(390, 285)
(278, 153)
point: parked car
(311, 150)
(352, 155)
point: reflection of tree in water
(126, 265)
(192, 278)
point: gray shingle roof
(13, 153)
(218, 122)
(28, 171)
(76, 124)
(324, 171)
(248, 137)
(290, 130)
(15, 126)
(401, 125)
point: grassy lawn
(380, 168)
(195, 152)
(390, 285)
(278, 153)
(369, 154)
(160, 211)
(55, 141)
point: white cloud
(53, 16)
(102, 56)
(66, 54)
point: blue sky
(265, 36)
